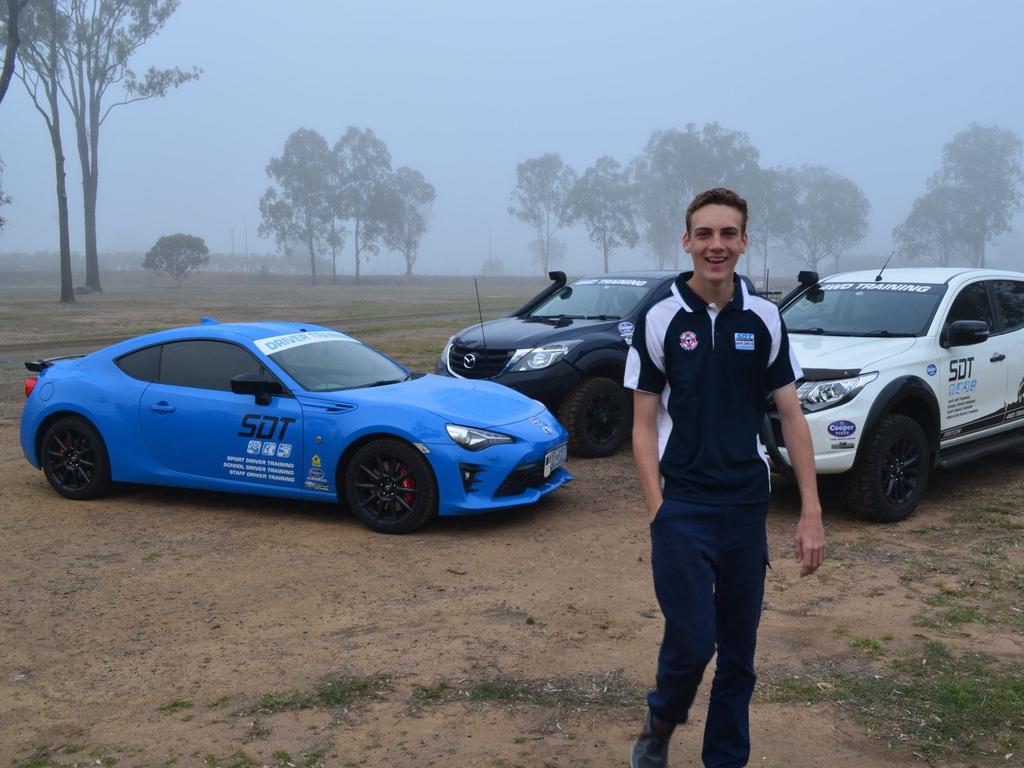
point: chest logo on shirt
(745, 341)
(688, 340)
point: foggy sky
(465, 90)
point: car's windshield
(603, 298)
(864, 309)
(329, 361)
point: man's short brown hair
(718, 196)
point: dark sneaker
(650, 750)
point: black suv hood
(529, 332)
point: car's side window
(1010, 295)
(143, 364)
(972, 304)
(205, 364)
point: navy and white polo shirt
(713, 369)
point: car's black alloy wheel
(75, 459)
(390, 486)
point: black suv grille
(474, 363)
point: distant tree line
(812, 212)
(321, 197)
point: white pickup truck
(905, 370)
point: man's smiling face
(715, 242)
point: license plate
(553, 459)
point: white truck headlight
(819, 395)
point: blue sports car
(291, 410)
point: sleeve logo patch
(745, 341)
(688, 340)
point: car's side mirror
(254, 384)
(961, 333)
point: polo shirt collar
(695, 303)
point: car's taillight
(30, 384)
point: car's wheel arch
(351, 449)
(51, 418)
(907, 396)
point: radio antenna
(480, 313)
(878, 277)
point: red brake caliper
(407, 482)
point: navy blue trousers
(709, 566)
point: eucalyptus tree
(540, 199)
(102, 38)
(177, 255)
(830, 216)
(296, 208)
(984, 164)
(411, 196)
(44, 32)
(935, 227)
(602, 199)
(677, 165)
(772, 195)
(359, 181)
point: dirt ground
(165, 627)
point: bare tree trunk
(356, 242)
(90, 185)
(67, 288)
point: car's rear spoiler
(36, 366)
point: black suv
(567, 348)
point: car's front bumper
(500, 476)
(835, 436)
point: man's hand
(809, 543)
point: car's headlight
(819, 395)
(474, 438)
(535, 358)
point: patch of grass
(609, 691)
(333, 690)
(870, 646)
(841, 631)
(176, 705)
(257, 731)
(945, 707)
(238, 759)
(963, 614)
(435, 692)
(278, 701)
(218, 702)
(343, 690)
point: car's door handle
(161, 407)
(997, 357)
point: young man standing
(702, 364)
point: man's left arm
(809, 541)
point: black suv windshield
(864, 309)
(325, 366)
(603, 298)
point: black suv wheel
(596, 412)
(890, 476)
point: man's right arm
(645, 448)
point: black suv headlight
(819, 395)
(535, 358)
